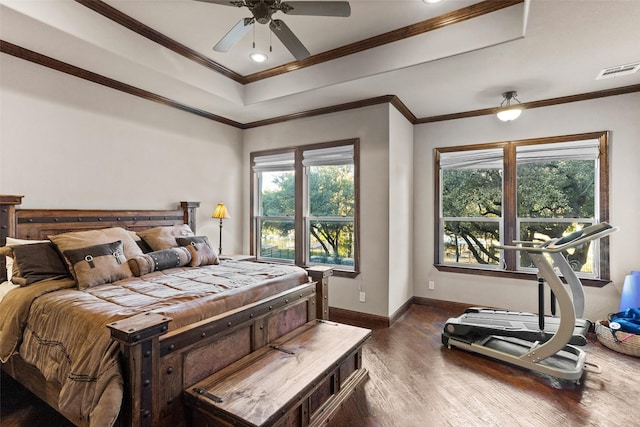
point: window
(275, 222)
(532, 190)
(305, 204)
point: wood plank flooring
(415, 381)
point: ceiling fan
(262, 11)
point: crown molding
(454, 17)
(136, 26)
(46, 61)
(54, 64)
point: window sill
(595, 283)
(336, 272)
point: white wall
(619, 114)
(69, 143)
(66, 143)
(371, 125)
(400, 210)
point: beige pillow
(84, 239)
(160, 238)
(98, 264)
(202, 253)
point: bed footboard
(160, 364)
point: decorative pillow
(83, 239)
(201, 251)
(159, 238)
(36, 262)
(144, 246)
(159, 260)
(98, 264)
(7, 251)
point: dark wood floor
(415, 381)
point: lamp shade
(220, 211)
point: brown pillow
(160, 238)
(37, 262)
(98, 264)
(7, 251)
(159, 260)
(83, 239)
(202, 253)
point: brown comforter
(62, 331)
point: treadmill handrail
(552, 247)
(577, 238)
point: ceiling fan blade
(288, 39)
(225, 2)
(316, 8)
(234, 35)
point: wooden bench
(299, 380)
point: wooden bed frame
(159, 365)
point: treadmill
(533, 341)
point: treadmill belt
(561, 360)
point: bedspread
(64, 334)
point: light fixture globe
(257, 56)
(506, 111)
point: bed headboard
(40, 223)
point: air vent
(620, 70)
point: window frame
(301, 217)
(510, 214)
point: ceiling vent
(620, 70)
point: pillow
(144, 246)
(201, 251)
(37, 262)
(160, 238)
(10, 266)
(159, 260)
(98, 264)
(83, 239)
(11, 242)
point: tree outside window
(306, 204)
(533, 190)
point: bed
(110, 348)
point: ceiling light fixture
(506, 111)
(431, 1)
(257, 56)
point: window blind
(490, 158)
(274, 162)
(340, 155)
(573, 150)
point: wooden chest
(300, 380)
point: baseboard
(373, 321)
(400, 311)
(441, 304)
(355, 318)
(366, 320)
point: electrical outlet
(432, 285)
(362, 297)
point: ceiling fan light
(259, 57)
